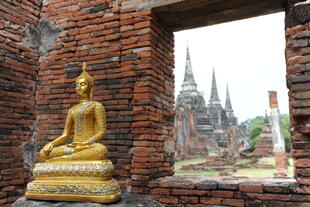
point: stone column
(277, 138)
(233, 142)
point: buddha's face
(82, 87)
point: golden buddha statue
(77, 171)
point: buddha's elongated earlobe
(91, 92)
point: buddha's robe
(89, 124)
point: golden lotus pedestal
(86, 181)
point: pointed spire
(189, 83)
(214, 98)
(228, 106)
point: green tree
(285, 127)
(254, 130)
(255, 127)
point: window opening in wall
(231, 100)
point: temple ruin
(264, 147)
(212, 123)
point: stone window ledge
(242, 184)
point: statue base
(73, 197)
(127, 199)
(81, 198)
(84, 181)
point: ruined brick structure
(199, 127)
(129, 47)
(264, 147)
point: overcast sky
(248, 55)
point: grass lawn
(254, 172)
(198, 160)
(179, 164)
(267, 160)
(248, 172)
(243, 161)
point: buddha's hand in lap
(80, 145)
(48, 148)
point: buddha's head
(84, 84)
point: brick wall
(18, 70)
(298, 81)
(131, 59)
(147, 51)
(179, 191)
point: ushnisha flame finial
(84, 69)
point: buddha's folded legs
(93, 152)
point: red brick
(214, 201)
(300, 197)
(302, 162)
(144, 171)
(253, 203)
(168, 199)
(160, 191)
(189, 200)
(254, 188)
(303, 181)
(126, 16)
(140, 190)
(2, 201)
(142, 13)
(234, 202)
(266, 196)
(176, 185)
(141, 25)
(222, 194)
(189, 192)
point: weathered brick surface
(130, 57)
(147, 48)
(297, 45)
(18, 70)
(246, 193)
